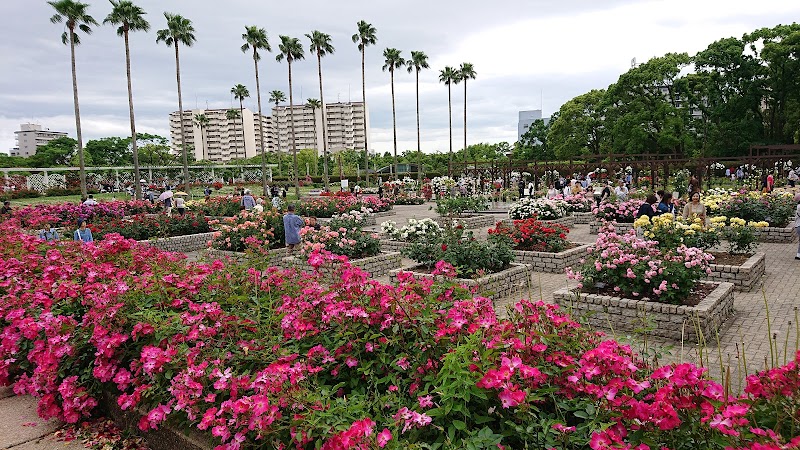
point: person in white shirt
(621, 191)
(552, 192)
(90, 201)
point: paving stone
(17, 419)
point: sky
(528, 54)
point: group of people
(665, 204)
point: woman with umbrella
(166, 198)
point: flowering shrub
(538, 208)
(469, 256)
(218, 206)
(778, 209)
(351, 219)
(249, 231)
(271, 359)
(671, 232)
(329, 206)
(409, 198)
(581, 202)
(622, 212)
(533, 235)
(638, 268)
(416, 230)
(143, 226)
(458, 206)
(67, 214)
(442, 185)
(350, 242)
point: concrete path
(22, 429)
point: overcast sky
(528, 54)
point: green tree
(110, 151)
(256, 38)
(291, 50)
(418, 61)
(321, 45)
(364, 38)
(308, 159)
(58, 152)
(392, 61)
(277, 97)
(76, 18)
(129, 17)
(202, 121)
(579, 128)
(448, 76)
(240, 93)
(465, 72)
(179, 31)
(534, 142)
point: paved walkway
(746, 335)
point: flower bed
(494, 285)
(552, 262)
(596, 225)
(144, 227)
(326, 207)
(775, 234)
(376, 266)
(540, 208)
(67, 214)
(744, 276)
(676, 322)
(776, 208)
(567, 221)
(468, 222)
(249, 230)
(622, 212)
(275, 254)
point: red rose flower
(444, 247)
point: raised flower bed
(778, 235)
(744, 276)
(377, 266)
(183, 244)
(620, 214)
(541, 245)
(551, 262)
(467, 221)
(596, 225)
(583, 218)
(275, 254)
(567, 221)
(494, 286)
(676, 322)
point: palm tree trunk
(294, 142)
(419, 145)
(136, 176)
(394, 125)
(261, 129)
(450, 126)
(364, 100)
(77, 114)
(278, 134)
(184, 149)
(324, 127)
(465, 115)
(203, 141)
(241, 116)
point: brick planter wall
(476, 221)
(583, 218)
(744, 277)
(275, 255)
(183, 244)
(669, 321)
(388, 245)
(594, 227)
(551, 262)
(493, 286)
(568, 221)
(377, 266)
(778, 235)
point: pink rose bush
(249, 230)
(330, 206)
(67, 214)
(620, 212)
(273, 359)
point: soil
(730, 259)
(697, 294)
(428, 271)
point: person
(659, 195)
(521, 188)
(621, 191)
(248, 202)
(647, 207)
(292, 223)
(283, 192)
(180, 204)
(168, 203)
(357, 189)
(694, 185)
(380, 190)
(695, 209)
(276, 202)
(531, 189)
(605, 193)
(151, 196)
(83, 233)
(6, 209)
(793, 177)
(728, 172)
(552, 192)
(90, 201)
(666, 205)
(576, 187)
(770, 182)
(797, 222)
(207, 192)
(48, 233)
(312, 222)
(259, 208)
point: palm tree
(179, 31)
(277, 97)
(315, 104)
(129, 17)
(321, 45)
(466, 72)
(240, 93)
(418, 61)
(364, 38)
(232, 115)
(291, 50)
(256, 38)
(76, 18)
(393, 60)
(202, 121)
(448, 76)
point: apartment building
(32, 136)
(222, 139)
(344, 126)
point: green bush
(457, 206)
(470, 257)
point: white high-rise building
(345, 126)
(222, 139)
(32, 136)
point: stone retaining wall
(568, 221)
(476, 221)
(583, 218)
(774, 234)
(388, 245)
(275, 255)
(377, 266)
(551, 262)
(668, 321)
(183, 244)
(594, 227)
(372, 220)
(494, 286)
(744, 277)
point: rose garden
(463, 322)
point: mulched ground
(729, 259)
(698, 293)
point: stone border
(583, 218)
(594, 227)
(744, 277)
(494, 286)
(389, 245)
(551, 262)
(777, 235)
(475, 221)
(240, 257)
(669, 321)
(183, 244)
(377, 266)
(567, 221)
